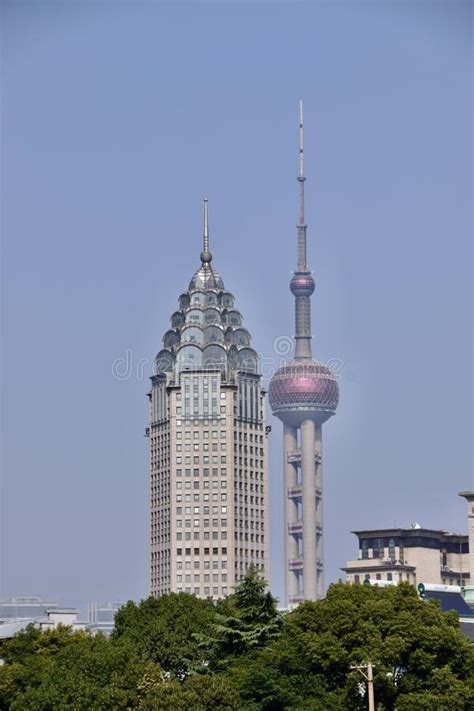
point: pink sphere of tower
(302, 389)
(302, 284)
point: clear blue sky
(117, 118)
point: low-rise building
(414, 554)
(21, 608)
(101, 616)
(66, 616)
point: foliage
(88, 673)
(415, 648)
(164, 630)
(199, 693)
(244, 621)
(181, 653)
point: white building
(208, 445)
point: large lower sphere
(303, 389)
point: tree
(85, 674)
(244, 621)
(164, 630)
(416, 649)
(181, 653)
(196, 693)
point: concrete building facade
(469, 589)
(101, 616)
(208, 445)
(414, 555)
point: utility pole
(369, 677)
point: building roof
(450, 601)
(9, 629)
(467, 628)
(371, 568)
(410, 533)
(207, 331)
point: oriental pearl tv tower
(303, 394)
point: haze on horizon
(117, 118)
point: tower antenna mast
(301, 180)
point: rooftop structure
(19, 608)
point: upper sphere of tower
(302, 284)
(206, 257)
(303, 389)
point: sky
(117, 118)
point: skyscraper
(303, 394)
(208, 445)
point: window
(377, 548)
(357, 578)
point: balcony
(295, 564)
(295, 599)
(296, 492)
(294, 457)
(295, 529)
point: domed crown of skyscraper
(207, 331)
(303, 387)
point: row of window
(206, 578)
(206, 535)
(378, 576)
(205, 471)
(215, 497)
(196, 551)
(197, 484)
(205, 434)
(197, 510)
(205, 459)
(198, 564)
(188, 523)
(202, 447)
(206, 591)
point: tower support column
(308, 474)
(291, 510)
(319, 516)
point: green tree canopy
(164, 630)
(179, 653)
(244, 621)
(415, 649)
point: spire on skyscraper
(206, 255)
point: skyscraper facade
(303, 394)
(208, 445)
